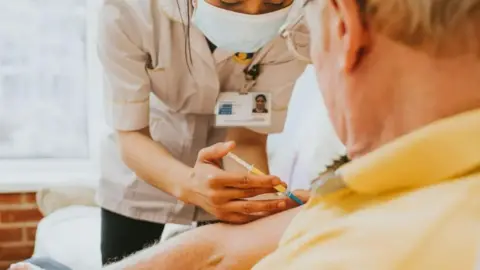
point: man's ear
(351, 31)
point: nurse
(181, 81)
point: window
(50, 91)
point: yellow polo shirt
(412, 204)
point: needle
(256, 171)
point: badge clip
(251, 75)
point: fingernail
(282, 205)
(15, 266)
(276, 181)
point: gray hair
(436, 26)
(416, 22)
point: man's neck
(432, 91)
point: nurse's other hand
(23, 266)
(220, 193)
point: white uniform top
(147, 83)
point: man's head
(260, 101)
(387, 67)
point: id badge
(234, 109)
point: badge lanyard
(252, 71)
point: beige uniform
(148, 83)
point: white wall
(308, 142)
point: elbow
(227, 252)
(215, 261)
(215, 249)
(127, 141)
(123, 138)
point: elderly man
(401, 80)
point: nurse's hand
(220, 193)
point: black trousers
(122, 236)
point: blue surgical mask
(237, 32)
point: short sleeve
(126, 82)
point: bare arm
(251, 147)
(244, 246)
(218, 246)
(152, 162)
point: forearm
(218, 246)
(189, 250)
(152, 162)
(251, 147)
(247, 244)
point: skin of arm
(217, 246)
(250, 146)
(153, 163)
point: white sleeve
(126, 82)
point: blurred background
(50, 89)
(51, 122)
(43, 45)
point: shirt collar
(443, 150)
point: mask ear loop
(287, 32)
(293, 49)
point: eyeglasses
(296, 35)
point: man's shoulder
(357, 228)
(343, 203)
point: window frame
(30, 175)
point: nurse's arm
(127, 91)
(218, 246)
(152, 162)
(251, 147)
